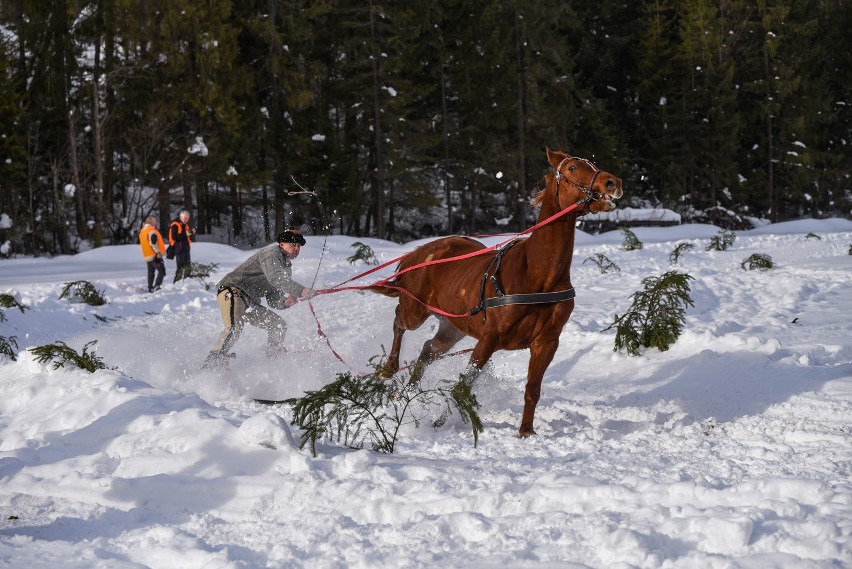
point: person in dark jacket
(180, 238)
(153, 250)
(266, 274)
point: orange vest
(180, 228)
(148, 251)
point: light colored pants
(236, 312)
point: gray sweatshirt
(268, 273)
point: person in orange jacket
(180, 238)
(153, 250)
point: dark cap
(291, 236)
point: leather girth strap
(531, 298)
(503, 299)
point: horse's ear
(555, 156)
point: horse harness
(503, 299)
(591, 195)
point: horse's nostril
(610, 185)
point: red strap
(383, 282)
(327, 341)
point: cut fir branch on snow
(60, 353)
(9, 301)
(759, 261)
(9, 347)
(363, 252)
(202, 272)
(83, 291)
(631, 242)
(360, 409)
(603, 262)
(679, 250)
(656, 317)
(722, 241)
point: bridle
(591, 195)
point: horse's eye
(572, 168)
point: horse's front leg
(541, 354)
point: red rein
(384, 282)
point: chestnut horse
(521, 271)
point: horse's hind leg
(407, 318)
(482, 352)
(446, 337)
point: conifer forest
(405, 119)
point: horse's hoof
(527, 434)
(384, 374)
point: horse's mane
(538, 197)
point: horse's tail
(384, 290)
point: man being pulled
(267, 273)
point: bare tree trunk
(59, 209)
(265, 205)
(445, 135)
(80, 218)
(515, 208)
(236, 209)
(770, 158)
(379, 172)
(100, 209)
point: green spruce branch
(9, 347)
(83, 291)
(603, 262)
(759, 261)
(679, 250)
(363, 252)
(202, 272)
(60, 354)
(356, 410)
(722, 241)
(631, 242)
(9, 301)
(656, 317)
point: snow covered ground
(731, 449)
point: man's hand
(306, 293)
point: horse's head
(577, 180)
